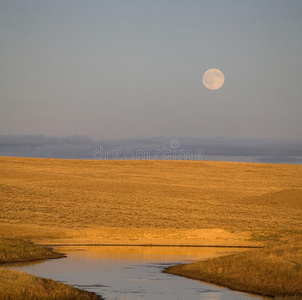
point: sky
(133, 69)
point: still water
(134, 273)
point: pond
(133, 272)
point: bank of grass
(18, 250)
(274, 271)
(21, 286)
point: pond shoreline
(31, 260)
(248, 271)
(19, 285)
(180, 269)
(154, 255)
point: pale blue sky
(120, 69)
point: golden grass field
(53, 201)
(156, 202)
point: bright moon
(213, 79)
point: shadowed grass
(15, 250)
(21, 286)
(274, 271)
(18, 286)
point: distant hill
(157, 194)
(173, 148)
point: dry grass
(93, 195)
(15, 250)
(21, 286)
(164, 202)
(274, 271)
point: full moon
(213, 79)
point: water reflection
(132, 273)
(149, 253)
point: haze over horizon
(162, 148)
(133, 69)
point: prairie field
(53, 201)
(158, 202)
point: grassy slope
(273, 271)
(22, 286)
(66, 195)
(15, 250)
(19, 286)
